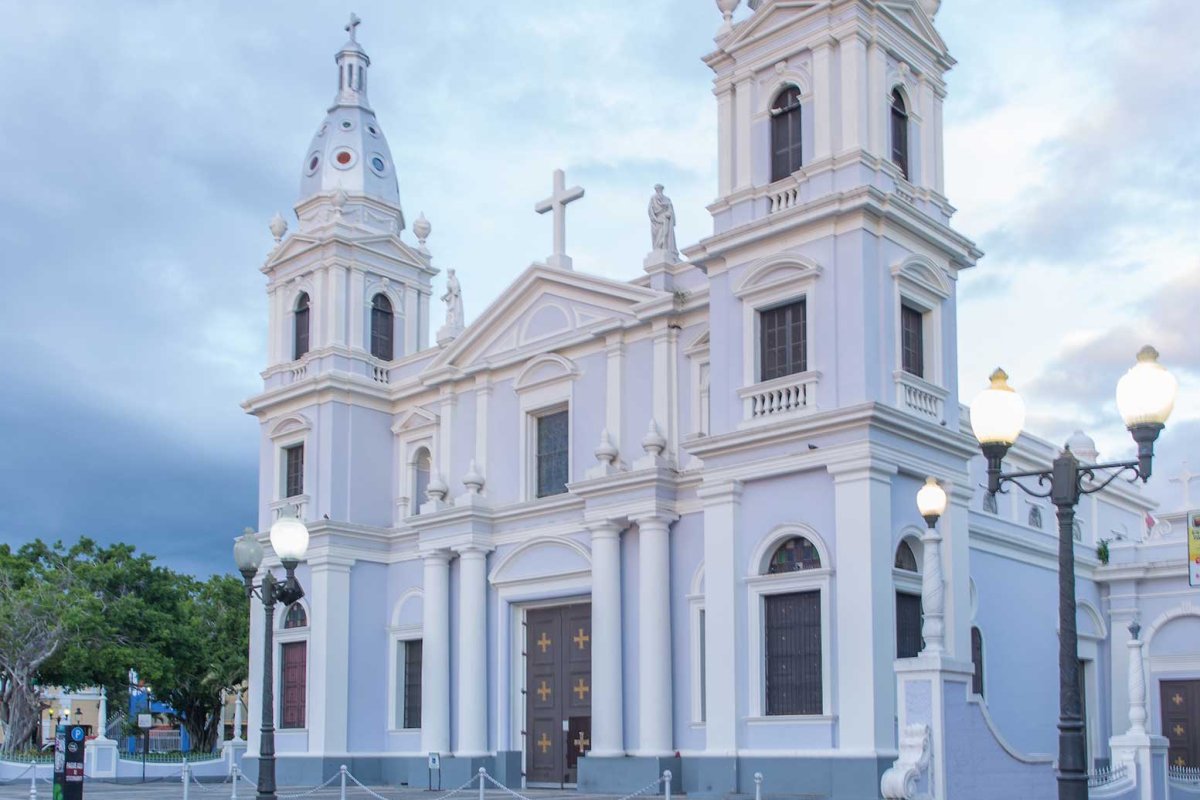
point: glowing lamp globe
(1146, 393)
(931, 499)
(289, 538)
(997, 413)
(247, 553)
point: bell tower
(817, 98)
(347, 294)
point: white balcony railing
(785, 198)
(787, 395)
(921, 398)
(380, 374)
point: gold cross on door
(543, 691)
(544, 742)
(581, 638)
(582, 742)
(581, 689)
(543, 642)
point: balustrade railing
(1188, 775)
(783, 199)
(920, 398)
(786, 395)
(1107, 775)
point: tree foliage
(85, 615)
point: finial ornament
(726, 7)
(653, 443)
(352, 26)
(278, 227)
(422, 229)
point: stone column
(852, 49)
(721, 614)
(472, 652)
(654, 636)
(823, 89)
(237, 715)
(743, 177)
(933, 595)
(608, 718)
(1137, 682)
(435, 655)
(220, 718)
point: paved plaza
(173, 790)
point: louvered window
(411, 654)
(786, 136)
(381, 328)
(293, 470)
(899, 132)
(300, 327)
(912, 341)
(908, 625)
(977, 661)
(783, 340)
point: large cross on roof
(557, 202)
(1186, 476)
(352, 26)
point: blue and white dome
(349, 151)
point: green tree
(209, 653)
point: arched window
(1035, 516)
(785, 134)
(381, 327)
(794, 555)
(295, 617)
(300, 326)
(905, 558)
(421, 467)
(977, 661)
(900, 132)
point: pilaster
(865, 688)
(823, 99)
(328, 654)
(613, 386)
(852, 50)
(743, 96)
(956, 567)
(725, 140)
(722, 610)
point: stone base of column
(1145, 756)
(101, 755)
(233, 752)
(625, 774)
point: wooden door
(1181, 721)
(294, 684)
(558, 692)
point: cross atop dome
(352, 26)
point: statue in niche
(662, 223)
(454, 304)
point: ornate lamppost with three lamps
(289, 540)
(1145, 398)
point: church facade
(611, 527)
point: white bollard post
(758, 786)
(667, 784)
(342, 796)
(482, 781)
(236, 774)
(183, 776)
(33, 781)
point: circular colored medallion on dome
(313, 164)
(344, 157)
(371, 128)
(377, 163)
(347, 124)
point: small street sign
(145, 721)
(435, 761)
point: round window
(371, 128)
(347, 124)
(377, 163)
(314, 161)
(344, 158)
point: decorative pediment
(698, 345)
(543, 308)
(545, 369)
(911, 15)
(290, 425)
(414, 419)
(376, 248)
(923, 272)
(770, 17)
(770, 273)
(551, 557)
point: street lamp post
(1145, 398)
(289, 540)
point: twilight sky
(148, 144)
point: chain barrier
(665, 776)
(31, 766)
(311, 791)
(375, 794)
(501, 786)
